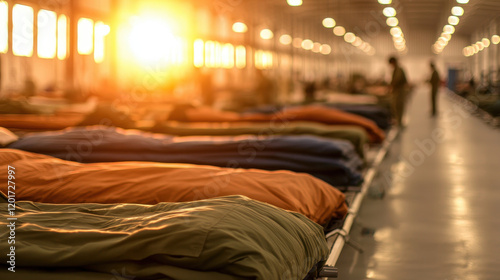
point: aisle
(440, 217)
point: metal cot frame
(339, 237)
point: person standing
(398, 91)
(434, 81)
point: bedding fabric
(354, 134)
(229, 238)
(46, 179)
(312, 113)
(333, 161)
(377, 113)
(39, 122)
(380, 115)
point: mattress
(229, 238)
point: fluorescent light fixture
(240, 27)
(457, 11)
(329, 22)
(349, 37)
(294, 3)
(286, 39)
(339, 30)
(266, 34)
(453, 20)
(389, 12)
(392, 21)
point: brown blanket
(42, 178)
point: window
(22, 32)
(210, 54)
(4, 27)
(47, 34)
(241, 57)
(198, 53)
(228, 56)
(101, 31)
(263, 59)
(85, 36)
(62, 37)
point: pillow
(7, 137)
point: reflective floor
(434, 211)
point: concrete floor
(440, 216)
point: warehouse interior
(237, 139)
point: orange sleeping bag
(46, 179)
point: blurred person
(435, 81)
(397, 90)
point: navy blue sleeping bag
(334, 161)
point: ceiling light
(357, 42)
(462, 1)
(392, 21)
(329, 22)
(349, 37)
(294, 3)
(442, 42)
(396, 32)
(266, 34)
(486, 42)
(339, 30)
(446, 36)
(466, 52)
(470, 50)
(307, 44)
(442, 38)
(389, 12)
(286, 39)
(476, 48)
(385, 2)
(453, 20)
(495, 39)
(240, 27)
(448, 29)
(457, 11)
(480, 45)
(398, 39)
(325, 49)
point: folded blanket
(230, 238)
(46, 179)
(334, 161)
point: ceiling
(365, 16)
